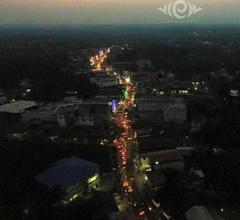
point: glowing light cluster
(114, 105)
(97, 60)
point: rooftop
(163, 155)
(198, 213)
(156, 178)
(17, 106)
(67, 172)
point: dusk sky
(110, 11)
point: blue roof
(67, 172)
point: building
(74, 176)
(13, 111)
(144, 64)
(104, 80)
(155, 180)
(185, 151)
(152, 144)
(116, 50)
(72, 112)
(161, 160)
(44, 114)
(3, 99)
(198, 213)
(120, 66)
(161, 109)
(107, 206)
(144, 132)
(143, 80)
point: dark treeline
(187, 58)
(44, 70)
(33, 64)
(21, 161)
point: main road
(135, 193)
(134, 183)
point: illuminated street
(124, 144)
(97, 60)
(135, 195)
(133, 182)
